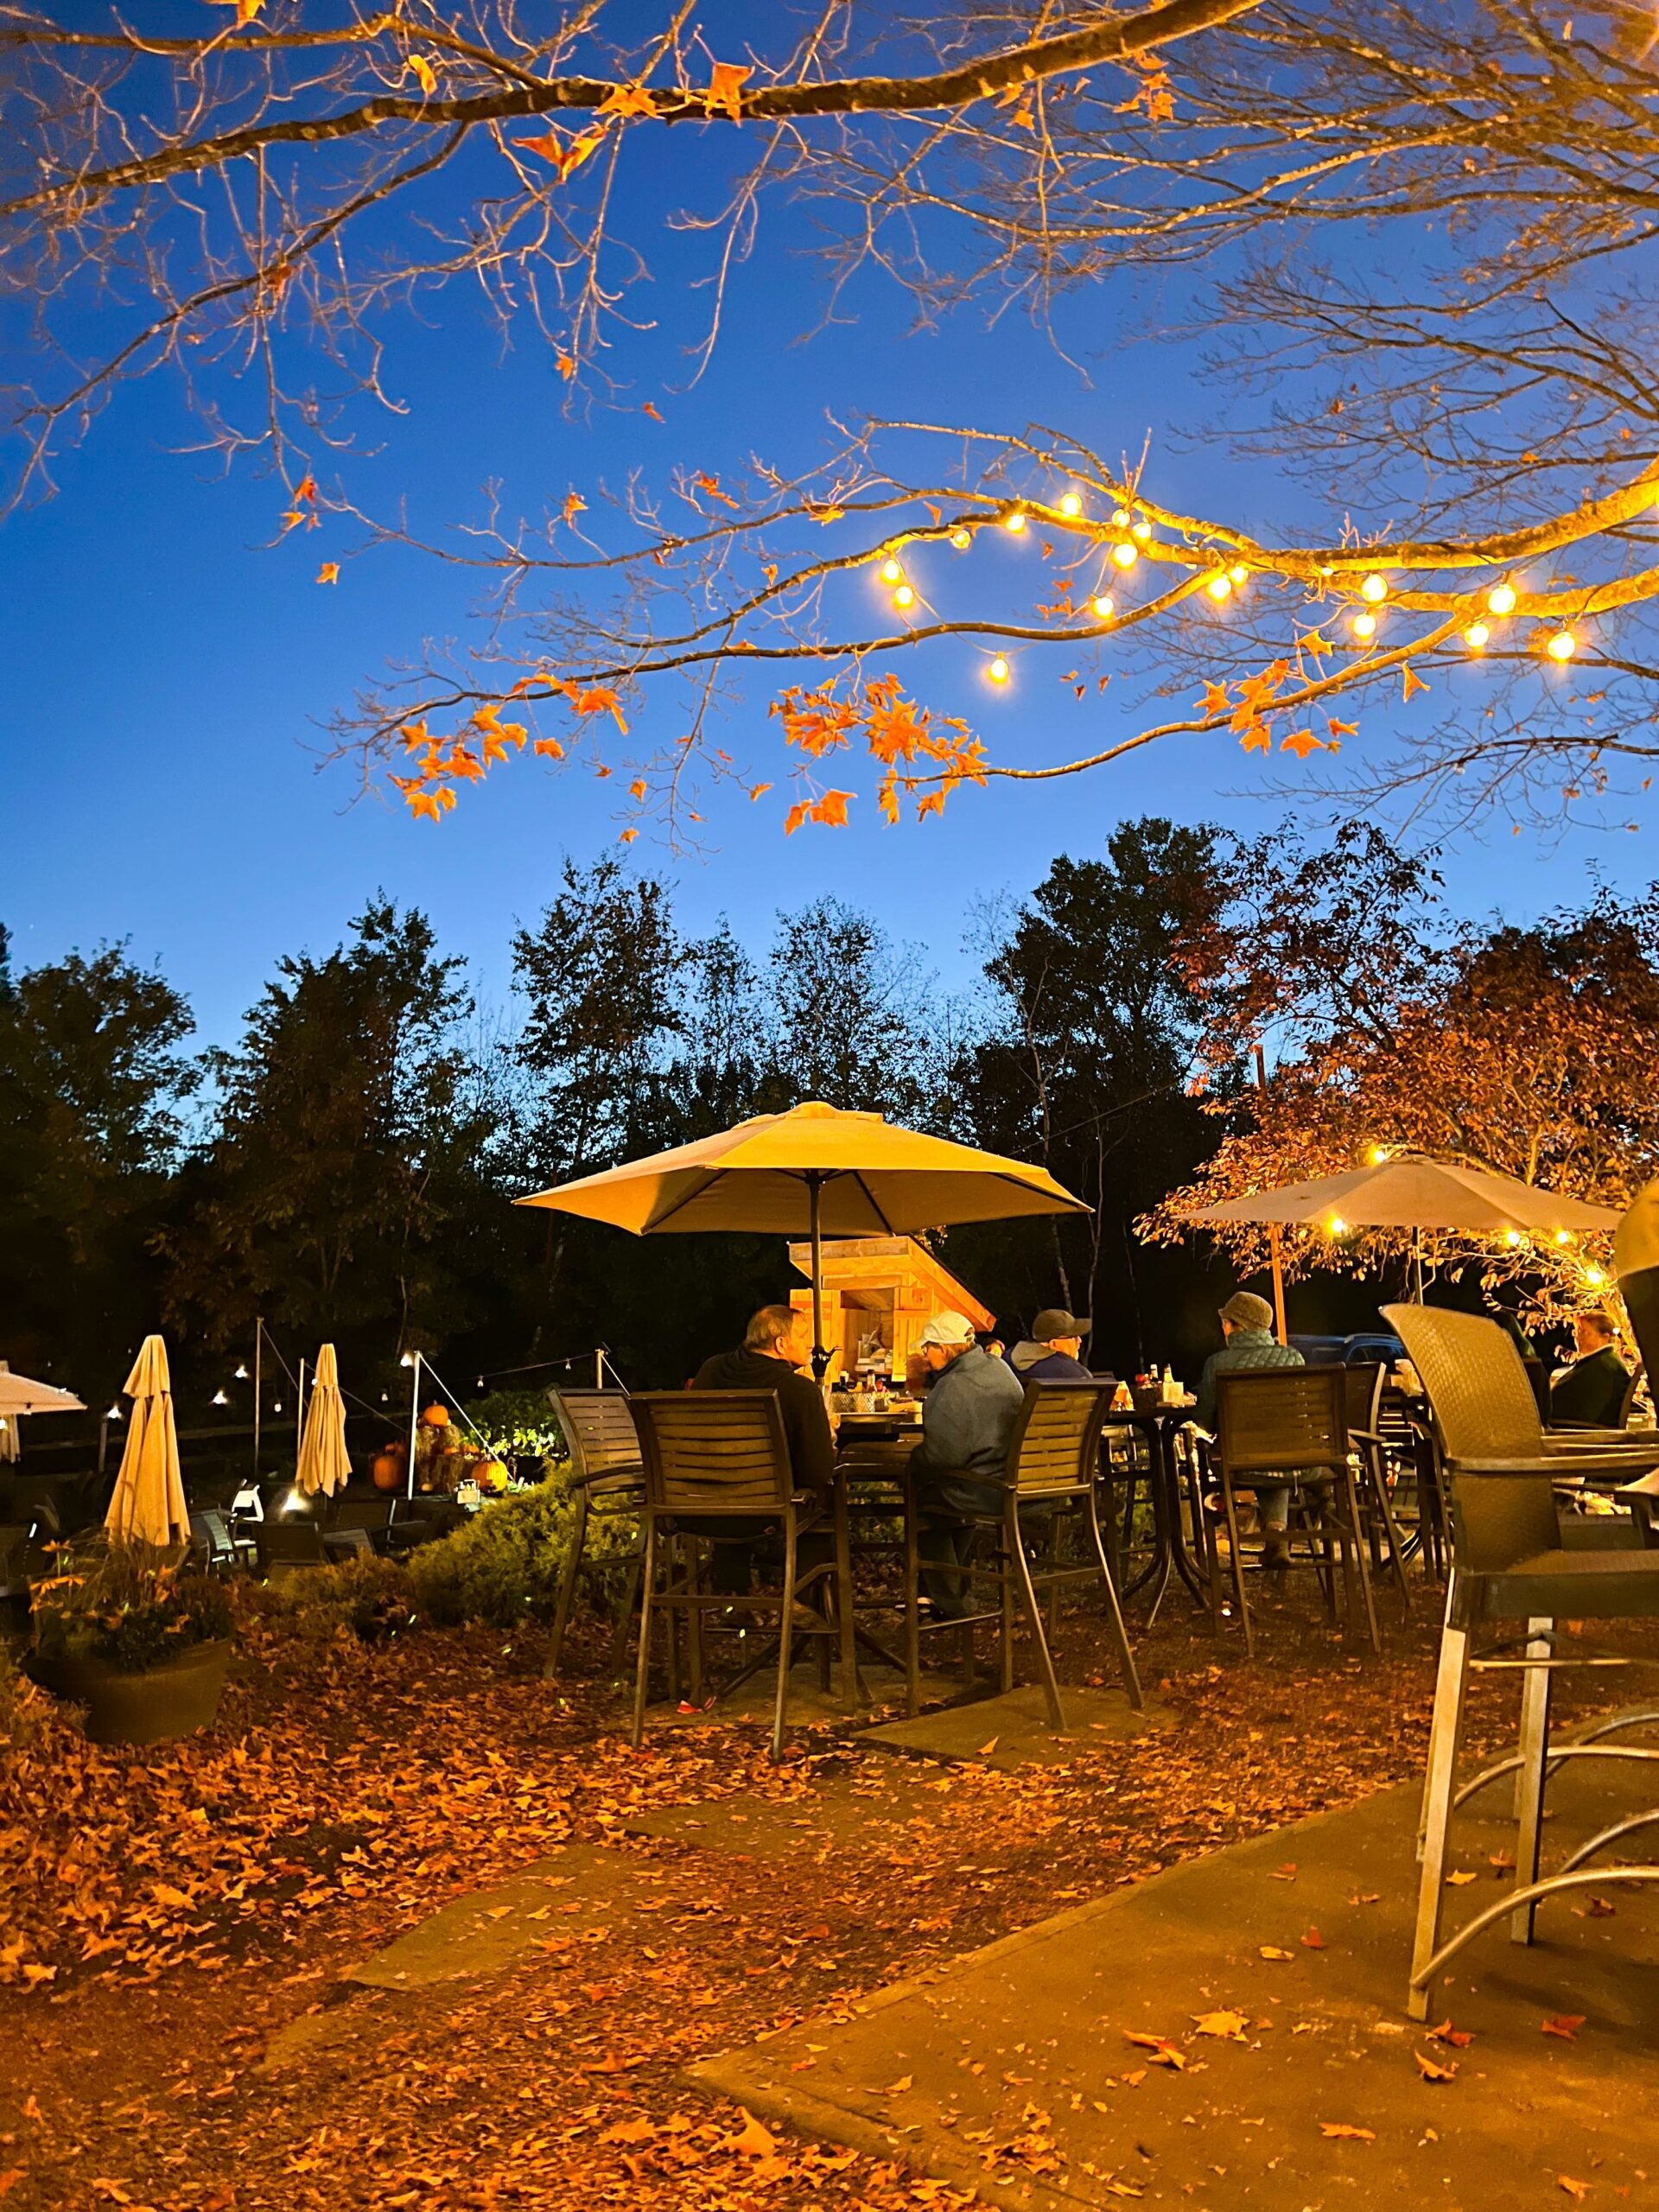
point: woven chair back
(713, 1450)
(1273, 1419)
(599, 1429)
(1057, 1441)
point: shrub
(21, 1706)
(509, 1559)
(519, 1425)
(365, 1597)
(120, 1604)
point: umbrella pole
(1417, 1265)
(258, 1347)
(820, 1350)
(1275, 1235)
(414, 1419)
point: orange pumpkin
(390, 1467)
(436, 1416)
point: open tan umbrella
(20, 1395)
(147, 1507)
(324, 1463)
(815, 1168)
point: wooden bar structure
(880, 1287)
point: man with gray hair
(969, 1417)
(1247, 1329)
(773, 1357)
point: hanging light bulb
(1325, 569)
(1563, 1237)
(1220, 588)
(1375, 588)
(903, 596)
(998, 671)
(1595, 1277)
(1562, 645)
(1501, 598)
(114, 1414)
(408, 1360)
(1512, 1238)
(241, 1374)
(1126, 555)
(1015, 522)
(1104, 606)
(385, 1397)
(962, 539)
(1365, 626)
(221, 1398)
(891, 570)
(1475, 636)
(1338, 1226)
(277, 1408)
(1239, 573)
(1071, 504)
(1120, 517)
(1142, 530)
(1378, 1153)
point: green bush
(121, 1604)
(520, 1424)
(365, 1597)
(508, 1561)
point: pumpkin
(435, 1417)
(490, 1476)
(390, 1467)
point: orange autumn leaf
(1316, 642)
(793, 819)
(245, 10)
(627, 837)
(1432, 2070)
(637, 788)
(1344, 2130)
(1301, 742)
(1215, 700)
(754, 2140)
(628, 101)
(654, 412)
(548, 748)
(1256, 739)
(725, 90)
(306, 489)
(1566, 2025)
(328, 573)
(704, 482)
(574, 505)
(567, 365)
(1412, 683)
(426, 75)
(1315, 1941)
(758, 790)
(1341, 729)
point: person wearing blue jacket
(1053, 1351)
(967, 1423)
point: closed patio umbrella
(815, 1168)
(147, 1507)
(324, 1463)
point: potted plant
(142, 1643)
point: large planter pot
(172, 1700)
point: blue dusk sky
(168, 672)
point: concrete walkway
(1232, 2033)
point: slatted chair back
(210, 1540)
(1278, 1420)
(1628, 1406)
(1362, 1395)
(1057, 1441)
(713, 1450)
(1639, 1288)
(599, 1430)
(360, 1512)
(1483, 1408)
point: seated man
(1053, 1351)
(1248, 1342)
(967, 1423)
(770, 1357)
(1591, 1388)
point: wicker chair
(607, 1480)
(1289, 1423)
(711, 1456)
(1512, 1561)
(1052, 1465)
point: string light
(1338, 1226)
(903, 596)
(1142, 530)
(1562, 645)
(1377, 1154)
(1595, 1277)
(1120, 517)
(1375, 588)
(114, 1414)
(1365, 626)
(241, 1374)
(891, 570)
(1475, 636)
(1563, 1237)
(1015, 522)
(1239, 575)
(1126, 555)
(1511, 1238)
(221, 1398)
(408, 1360)
(277, 1408)
(1071, 504)
(1501, 598)
(998, 671)
(1220, 588)
(1104, 606)
(962, 539)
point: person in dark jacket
(1590, 1388)
(770, 1357)
(1249, 1342)
(968, 1423)
(1053, 1351)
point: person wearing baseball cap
(1053, 1351)
(1249, 1341)
(968, 1423)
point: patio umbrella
(1406, 1191)
(18, 1396)
(147, 1507)
(324, 1463)
(1635, 1258)
(815, 1168)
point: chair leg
(694, 1618)
(786, 1639)
(912, 1616)
(1005, 1608)
(568, 1586)
(1054, 1520)
(1033, 1615)
(1362, 1560)
(1438, 1790)
(1114, 1615)
(642, 1668)
(1377, 1473)
(1529, 1779)
(1237, 1566)
(624, 1613)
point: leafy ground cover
(163, 1914)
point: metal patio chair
(1363, 1383)
(1514, 1560)
(714, 1458)
(607, 1481)
(1288, 1424)
(1051, 1472)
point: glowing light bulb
(1325, 569)
(891, 570)
(998, 671)
(1595, 1277)
(1501, 598)
(962, 539)
(903, 596)
(1375, 588)
(1562, 645)
(1239, 574)
(1071, 504)
(1015, 522)
(1120, 517)
(1512, 1238)
(1220, 588)
(221, 1398)
(1104, 606)
(114, 1414)
(1563, 1237)
(241, 1374)
(1475, 636)
(1377, 1154)
(1338, 1226)
(1142, 530)
(1126, 555)
(408, 1360)
(1365, 626)
(277, 1408)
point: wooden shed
(879, 1291)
